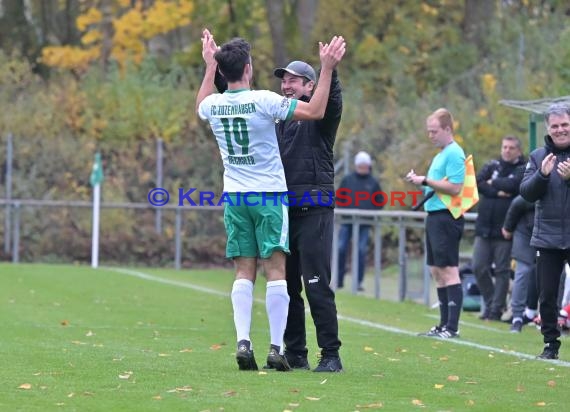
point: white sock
(277, 305)
(530, 313)
(242, 302)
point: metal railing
(402, 220)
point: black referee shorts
(443, 234)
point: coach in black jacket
(546, 182)
(498, 183)
(307, 154)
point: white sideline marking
(158, 279)
(361, 322)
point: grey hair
(558, 109)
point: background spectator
(358, 182)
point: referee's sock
(455, 304)
(443, 311)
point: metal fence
(412, 282)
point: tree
(119, 30)
(479, 15)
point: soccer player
(243, 122)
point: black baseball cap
(297, 68)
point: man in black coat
(546, 182)
(498, 183)
(307, 154)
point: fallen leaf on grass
(125, 375)
(163, 355)
(64, 322)
(312, 398)
(438, 386)
(229, 393)
(520, 388)
(401, 350)
(444, 358)
(470, 402)
(89, 334)
(78, 342)
(186, 350)
(216, 347)
(371, 406)
(36, 373)
(25, 386)
(295, 390)
(185, 388)
(368, 349)
(540, 404)
(262, 373)
(393, 360)
(70, 395)
(471, 383)
(453, 378)
(323, 382)
(552, 384)
(417, 402)
(294, 405)
(157, 398)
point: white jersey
(243, 122)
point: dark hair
(514, 139)
(232, 58)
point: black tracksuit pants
(549, 269)
(309, 265)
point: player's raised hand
(209, 47)
(331, 53)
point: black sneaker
(516, 327)
(433, 332)
(244, 356)
(495, 316)
(297, 361)
(548, 353)
(485, 314)
(447, 333)
(526, 320)
(329, 364)
(277, 361)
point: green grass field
(78, 339)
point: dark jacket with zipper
(551, 195)
(492, 208)
(354, 183)
(306, 148)
(520, 221)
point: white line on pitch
(362, 322)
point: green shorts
(257, 224)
